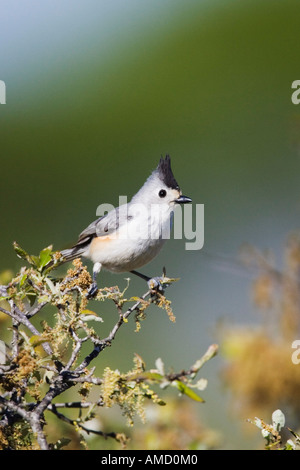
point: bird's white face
(160, 193)
(165, 196)
(155, 192)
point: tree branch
(100, 345)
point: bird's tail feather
(72, 253)
(67, 255)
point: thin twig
(36, 309)
(100, 345)
(20, 317)
(81, 426)
(33, 418)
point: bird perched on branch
(131, 235)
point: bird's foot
(92, 292)
(155, 284)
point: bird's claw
(92, 291)
(155, 284)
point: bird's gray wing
(105, 225)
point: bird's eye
(162, 193)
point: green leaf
(153, 376)
(62, 442)
(160, 402)
(32, 260)
(45, 256)
(20, 252)
(289, 446)
(88, 312)
(35, 260)
(183, 388)
(37, 340)
(31, 297)
(23, 279)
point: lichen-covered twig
(43, 364)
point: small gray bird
(131, 235)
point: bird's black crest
(166, 174)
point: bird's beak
(183, 200)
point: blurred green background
(98, 90)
